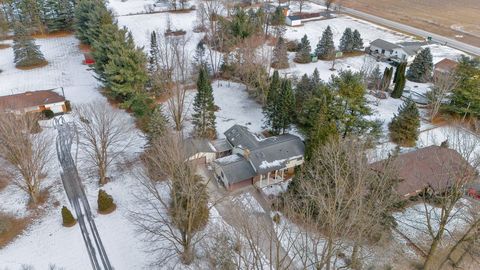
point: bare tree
(104, 135)
(173, 213)
(26, 151)
(329, 3)
(339, 195)
(443, 84)
(175, 66)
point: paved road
(76, 195)
(409, 29)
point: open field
(455, 19)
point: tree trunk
(187, 255)
(355, 263)
(102, 173)
(429, 261)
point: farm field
(456, 19)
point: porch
(274, 177)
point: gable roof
(194, 146)
(30, 99)
(434, 166)
(446, 65)
(236, 168)
(383, 44)
(239, 136)
(221, 145)
(274, 152)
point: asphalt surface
(76, 195)
(408, 29)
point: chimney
(246, 153)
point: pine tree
(347, 42)
(466, 96)
(204, 107)
(26, 52)
(303, 54)
(325, 47)
(271, 107)
(315, 79)
(404, 126)
(303, 90)
(286, 103)
(105, 202)
(90, 18)
(59, 15)
(153, 56)
(278, 17)
(280, 54)
(67, 218)
(357, 40)
(421, 68)
(399, 86)
(401, 68)
(157, 125)
(322, 131)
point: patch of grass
(34, 66)
(11, 227)
(4, 46)
(53, 34)
(3, 182)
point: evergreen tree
(357, 40)
(325, 47)
(400, 70)
(315, 80)
(404, 126)
(204, 107)
(280, 54)
(59, 15)
(67, 218)
(30, 13)
(286, 101)
(271, 106)
(324, 129)
(157, 125)
(399, 86)
(466, 96)
(105, 202)
(125, 71)
(90, 18)
(421, 68)
(347, 42)
(278, 17)
(26, 52)
(153, 55)
(303, 90)
(303, 54)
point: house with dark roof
(399, 52)
(258, 160)
(34, 101)
(435, 168)
(203, 151)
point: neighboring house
(300, 18)
(445, 66)
(258, 160)
(435, 168)
(400, 52)
(35, 101)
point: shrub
(105, 202)
(67, 217)
(48, 114)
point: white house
(403, 51)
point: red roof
(30, 99)
(446, 65)
(434, 166)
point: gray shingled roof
(236, 168)
(221, 145)
(241, 137)
(274, 152)
(383, 44)
(194, 146)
